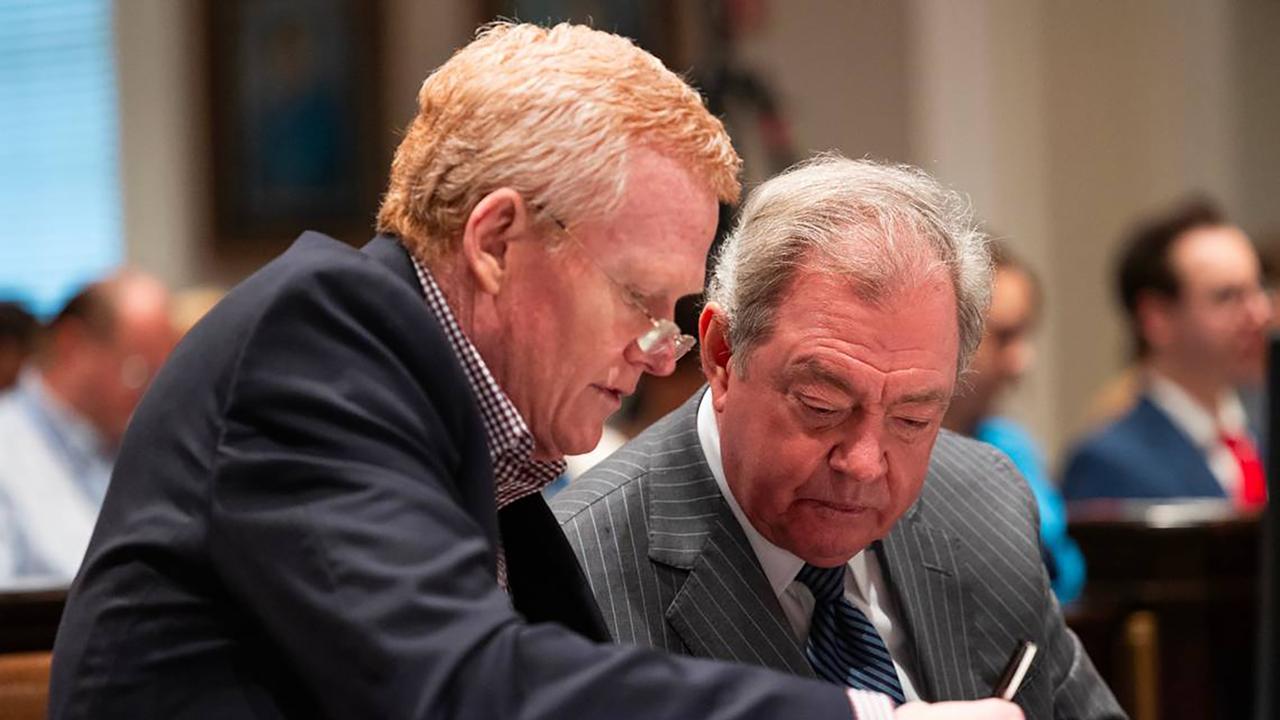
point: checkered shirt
(516, 474)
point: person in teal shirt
(1062, 555)
(1003, 357)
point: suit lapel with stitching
(922, 565)
(725, 608)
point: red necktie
(1252, 492)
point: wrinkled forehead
(911, 320)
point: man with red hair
(328, 505)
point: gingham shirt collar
(516, 474)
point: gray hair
(885, 227)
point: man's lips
(616, 393)
(840, 507)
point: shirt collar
(507, 435)
(1202, 426)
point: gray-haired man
(805, 514)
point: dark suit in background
(672, 569)
(301, 524)
(1141, 455)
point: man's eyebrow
(1234, 288)
(932, 395)
(813, 369)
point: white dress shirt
(52, 480)
(865, 585)
(1203, 427)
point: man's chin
(836, 549)
(578, 443)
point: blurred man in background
(1005, 354)
(62, 423)
(1191, 286)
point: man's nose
(660, 362)
(861, 455)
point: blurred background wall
(1062, 121)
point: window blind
(60, 211)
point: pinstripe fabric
(672, 569)
(667, 560)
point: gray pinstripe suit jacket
(671, 568)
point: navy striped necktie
(843, 646)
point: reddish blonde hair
(552, 114)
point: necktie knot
(826, 584)
(1236, 443)
(1252, 492)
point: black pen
(1015, 671)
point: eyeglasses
(663, 335)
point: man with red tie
(1191, 286)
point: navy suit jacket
(1141, 455)
(301, 524)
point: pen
(1015, 671)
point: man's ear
(714, 350)
(500, 218)
(1154, 313)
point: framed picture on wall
(295, 117)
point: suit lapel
(923, 567)
(1184, 468)
(724, 609)
(544, 578)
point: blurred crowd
(68, 387)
